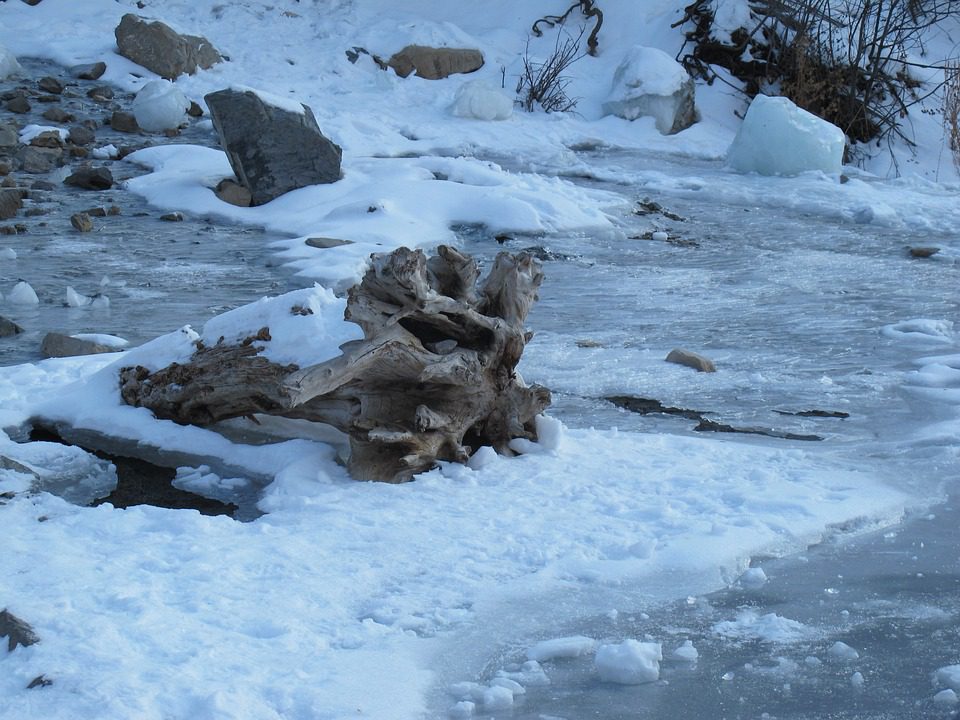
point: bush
(951, 109)
(545, 84)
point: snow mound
(842, 652)
(771, 627)
(565, 647)
(650, 83)
(778, 138)
(480, 100)
(686, 652)
(629, 663)
(23, 294)
(948, 677)
(31, 131)
(160, 105)
(8, 63)
(921, 330)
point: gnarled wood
(433, 379)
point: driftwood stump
(434, 377)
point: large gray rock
(37, 160)
(435, 63)
(272, 149)
(10, 203)
(57, 345)
(691, 360)
(8, 328)
(9, 136)
(16, 631)
(159, 48)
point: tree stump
(434, 377)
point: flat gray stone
(93, 71)
(691, 359)
(56, 345)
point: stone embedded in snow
(8, 63)
(435, 63)
(565, 647)
(160, 105)
(159, 48)
(479, 100)
(273, 147)
(16, 631)
(92, 71)
(778, 138)
(650, 83)
(842, 652)
(949, 677)
(23, 294)
(629, 663)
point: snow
(647, 83)
(8, 63)
(753, 578)
(160, 105)
(946, 698)
(949, 677)
(148, 612)
(31, 131)
(841, 652)
(629, 663)
(480, 100)
(778, 138)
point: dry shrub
(545, 84)
(951, 108)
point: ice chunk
(75, 299)
(778, 138)
(160, 105)
(23, 294)
(630, 663)
(842, 652)
(949, 677)
(945, 697)
(8, 63)
(857, 680)
(511, 685)
(771, 627)
(463, 709)
(686, 652)
(480, 100)
(753, 578)
(497, 698)
(565, 647)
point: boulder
(81, 222)
(159, 48)
(10, 203)
(650, 83)
(93, 71)
(124, 122)
(233, 193)
(8, 328)
(17, 631)
(91, 178)
(274, 145)
(58, 115)
(18, 104)
(80, 135)
(50, 84)
(433, 63)
(58, 345)
(691, 359)
(778, 138)
(35, 159)
(9, 136)
(160, 105)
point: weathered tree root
(433, 379)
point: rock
(9, 136)
(48, 139)
(93, 71)
(233, 193)
(80, 135)
(172, 217)
(50, 85)
(39, 159)
(325, 243)
(18, 104)
(5, 168)
(16, 631)
(10, 203)
(435, 63)
(32, 3)
(159, 48)
(691, 359)
(41, 681)
(778, 138)
(160, 105)
(650, 83)
(124, 122)
(57, 115)
(101, 93)
(59, 345)
(96, 212)
(273, 146)
(82, 222)
(8, 328)
(91, 178)
(194, 110)
(923, 252)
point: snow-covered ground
(353, 599)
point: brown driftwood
(433, 379)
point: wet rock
(649, 406)
(113, 210)
(41, 681)
(101, 93)
(59, 345)
(18, 105)
(710, 426)
(35, 159)
(36, 212)
(42, 185)
(96, 212)
(433, 63)
(8, 230)
(80, 135)
(48, 139)
(172, 217)
(272, 149)
(815, 413)
(325, 243)
(50, 84)
(125, 122)
(5, 168)
(10, 203)
(93, 71)
(8, 328)
(58, 115)
(82, 222)
(691, 359)
(194, 110)
(157, 47)
(923, 252)
(233, 193)
(91, 178)
(17, 631)
(9, 136)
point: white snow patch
(481, 100)
(629, 663)
(560, 648)
(8, 63)
(778, 138)
(29, 132)
(23, 294)
(773, 628)
(948, 676)
(290, 105)
(112, 341)
(160, 105)
(753, 578)
(647, 84)
(842, 652)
